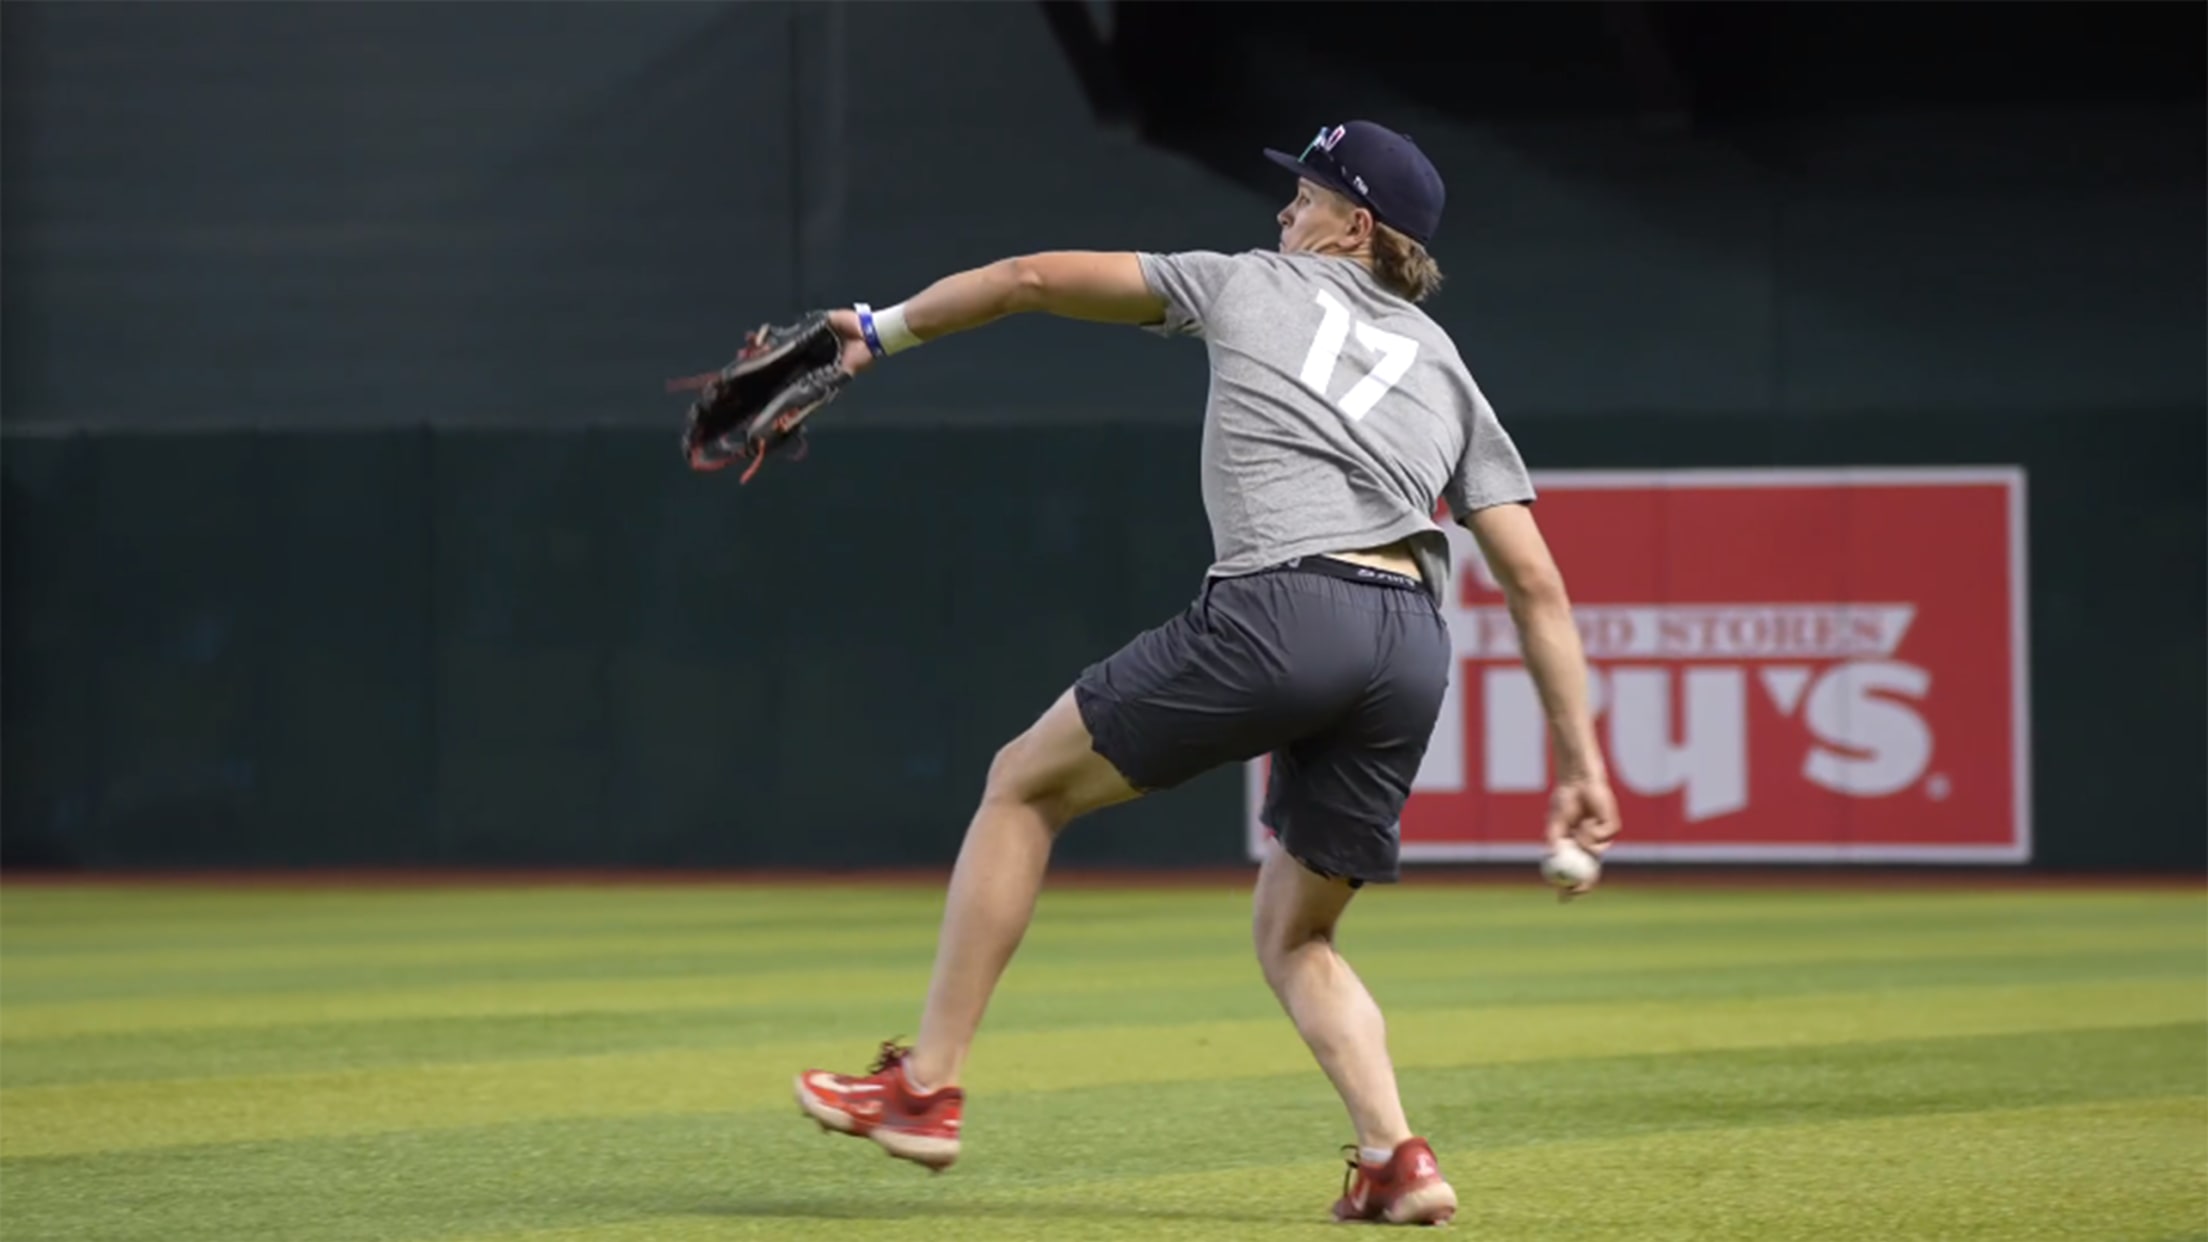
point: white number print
(1396, 355)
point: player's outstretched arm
(1100, 286)
(1582, 808)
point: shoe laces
(1349, 1176)
(892, 1055)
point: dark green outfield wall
(424, 648)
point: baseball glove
(756, 406)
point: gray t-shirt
(1339, 411)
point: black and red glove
(757, 405)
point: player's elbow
(1515, 553)
(1533, 587)
(1026, 284)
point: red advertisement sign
(1785, 666)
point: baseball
(1569, 866)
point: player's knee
(1278, 937)
(1021, 775)
(1276, 959)
(1006, 774)
(1270, 957)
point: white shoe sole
(937, 1154)
(1432, 1204)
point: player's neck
(1362, 255)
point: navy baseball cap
(1378, 169)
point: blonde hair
(1402, 266)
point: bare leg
(1295, 914)
(1045, 779)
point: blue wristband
(866, 329)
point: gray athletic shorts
(1335, 670)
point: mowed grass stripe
(426, 1184)
(863, 1016)
(128, 920)
(283, 960)
(119, 1116)
(35, 921)
(1037, 971)
(1130, 951)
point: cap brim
(1301, 169)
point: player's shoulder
(1205, 257)
(1211, 271)
(1294, 275)
(1294, 265)
(1297, 273)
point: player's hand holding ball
(1583, 821)
(1571, 868)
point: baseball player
(1339, 415)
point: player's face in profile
(1314, 219)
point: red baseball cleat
(883, 1106)
(1407, 1190)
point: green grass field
(561, 1064)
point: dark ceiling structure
(1211, 79)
